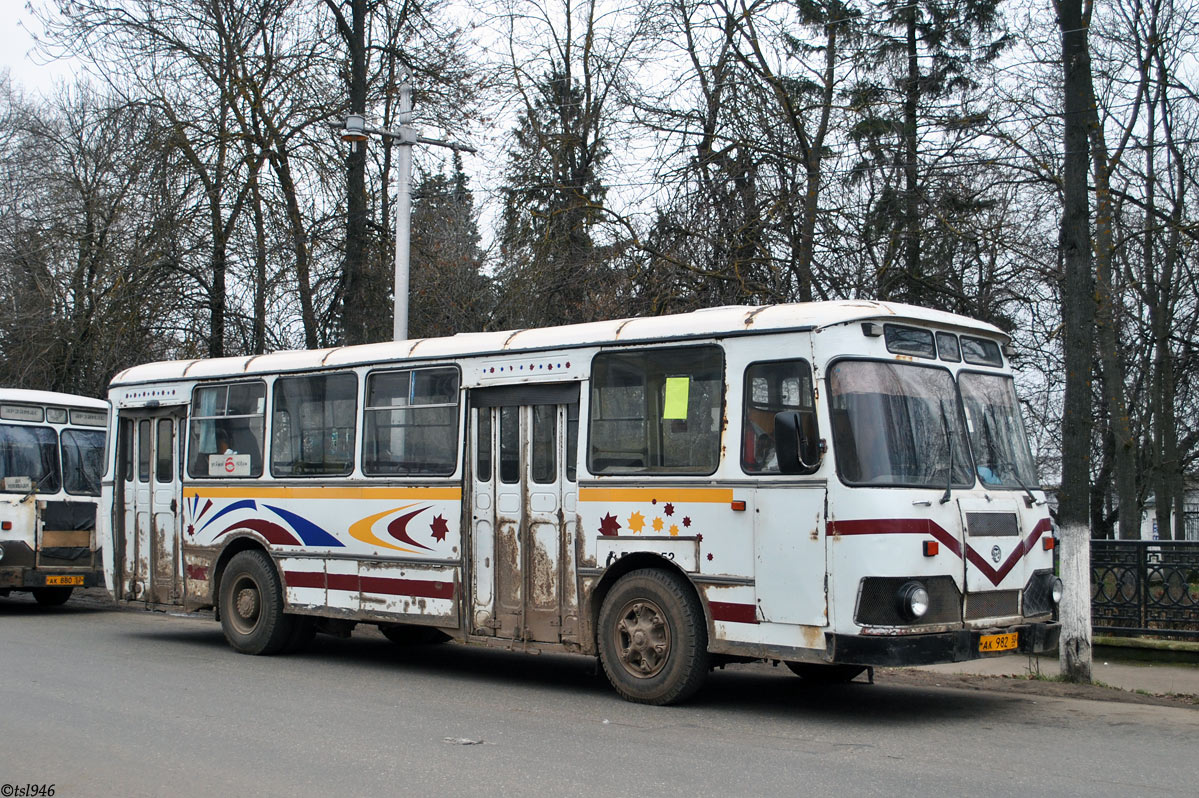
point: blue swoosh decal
(310, 533)
(243, 504)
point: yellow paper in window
(677, 390)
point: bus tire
(52, 596)
(825, 674)
(251, 605)
(652, 638)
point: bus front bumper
(958, 645)
(24, 578)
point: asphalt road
(100, 702)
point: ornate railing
(1145, 587)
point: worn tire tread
(688, 666)
(275, 628)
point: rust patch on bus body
(545, 578)
(507, 560)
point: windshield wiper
(1000, 463)
(1032, 500)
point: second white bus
(51, 460)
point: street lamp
(354, 130)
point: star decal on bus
(440, 528)
(636, 523)
(609, 526)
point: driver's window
(770, 388)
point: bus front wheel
(251, 605)
(653, 641)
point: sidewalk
(1128, 666)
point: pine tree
(448, 293)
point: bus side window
(226, 419)
(126, 444)
(774, 387)
(483, 444)
(143, 451)
(313, 426)
(165, 467)
(656, 411)
(411, 422)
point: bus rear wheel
(51, 596)
(825, 674)
(653, 641)
(251, 605)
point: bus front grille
(994, 604)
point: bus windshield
(1001, 453)
(898, 424)
(82, 460)
(30, 452)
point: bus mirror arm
(790, 443)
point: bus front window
(30, 452)
(897, 424)
(82, 460)
(997, 437)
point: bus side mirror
(790, 444)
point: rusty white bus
(830, 485)
(51, 461)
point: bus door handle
(174, 505)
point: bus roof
(26, 396)
(710, 322)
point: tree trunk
(295, 217)
(258, 334)
(1078, 319)
(913, 279)
(354, 321)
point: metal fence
(1145, 587)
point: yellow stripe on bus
(318, 492)
(698, 495)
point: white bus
(831, 485)
(51, 461)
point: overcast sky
(28, 70)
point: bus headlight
(913, 601)
(1, 553)
(1057, 590)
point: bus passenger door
(150, 567)
(524, 506)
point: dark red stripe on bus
(733, 613)
(923, 526)
(304, 579)
(419, 588)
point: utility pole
(356, 130)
